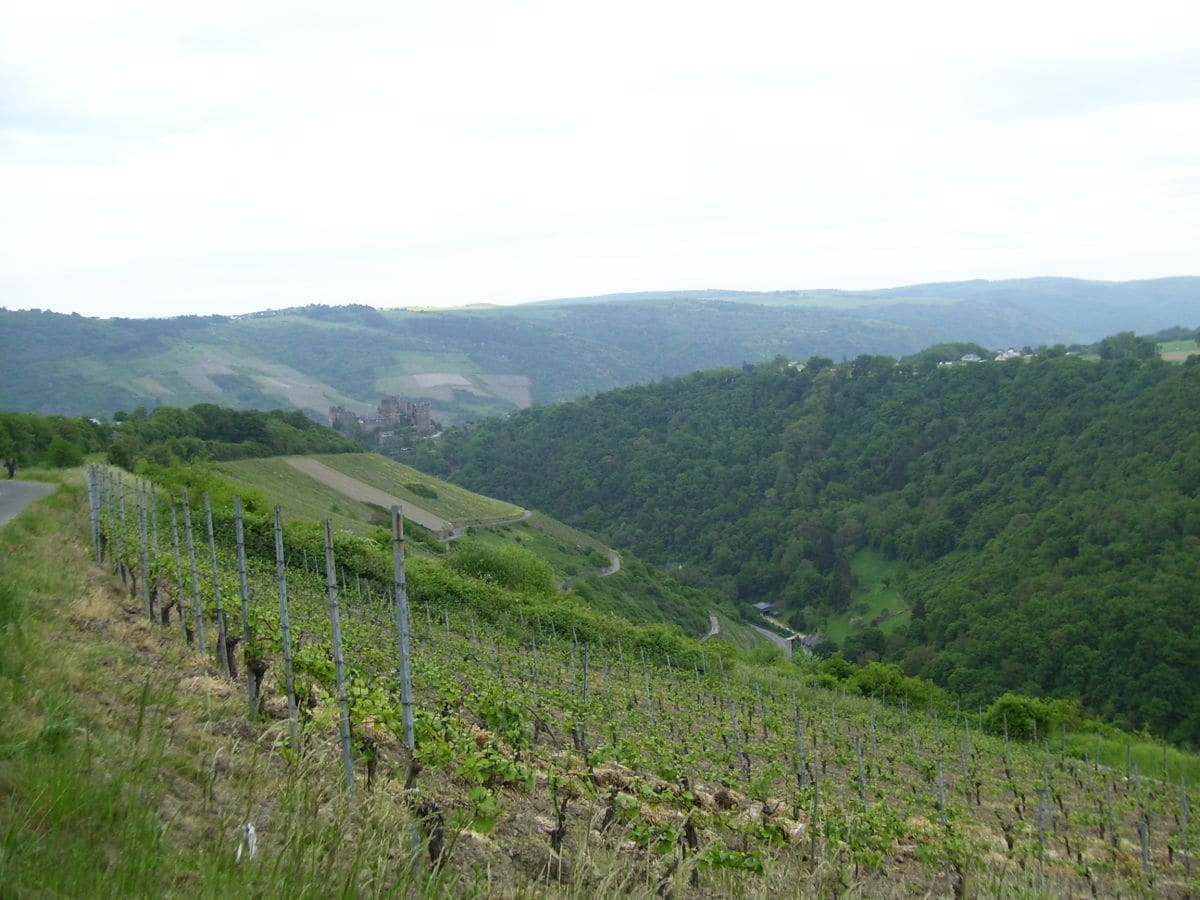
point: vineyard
(527, 743)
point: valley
(998, 555)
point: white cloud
(160, 158)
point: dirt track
(357, 490)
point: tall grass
(120, 787)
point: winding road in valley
(781, 642)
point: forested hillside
(472, 362)
(204, 432)
(1042, 515)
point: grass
(1146, 757)
(451, 502)
(301, 496)
(128, 767)
(740, 635)
(876, 594)
(1178, 351)
(1177, 346)
(566, 533)
(568, 560)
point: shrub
(1028, 717)
(62, 454)
(512, 567)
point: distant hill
(473, 362)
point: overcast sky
(161, 158)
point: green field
(449, 501)
(1178, 346)
(573, 536)
(569, 550)
(1177, 351)
(572, 553)
(303, 497)
(876, 594)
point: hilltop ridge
(471, 362)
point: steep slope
(548, 763)
(1043, 515)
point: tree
(1127, 345)
(62, 454)
(841, 583)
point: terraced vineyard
(561, 750)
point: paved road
(781, 642)
(16, 495)
(614, 564)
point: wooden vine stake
(801, 762)
(743, 759)
(404, 641)
(649, 697)
(286, 629)
(1183, 827)
(144, 561)
(941, 794)
(198, 611)
(253, 666)
(94, 509)
(155, 563)
(122, 535)
(862, 778)
(222, 636)
(180, 591)
(403, 627)
(339, 660)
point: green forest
(490, 360)
(1041, 516)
